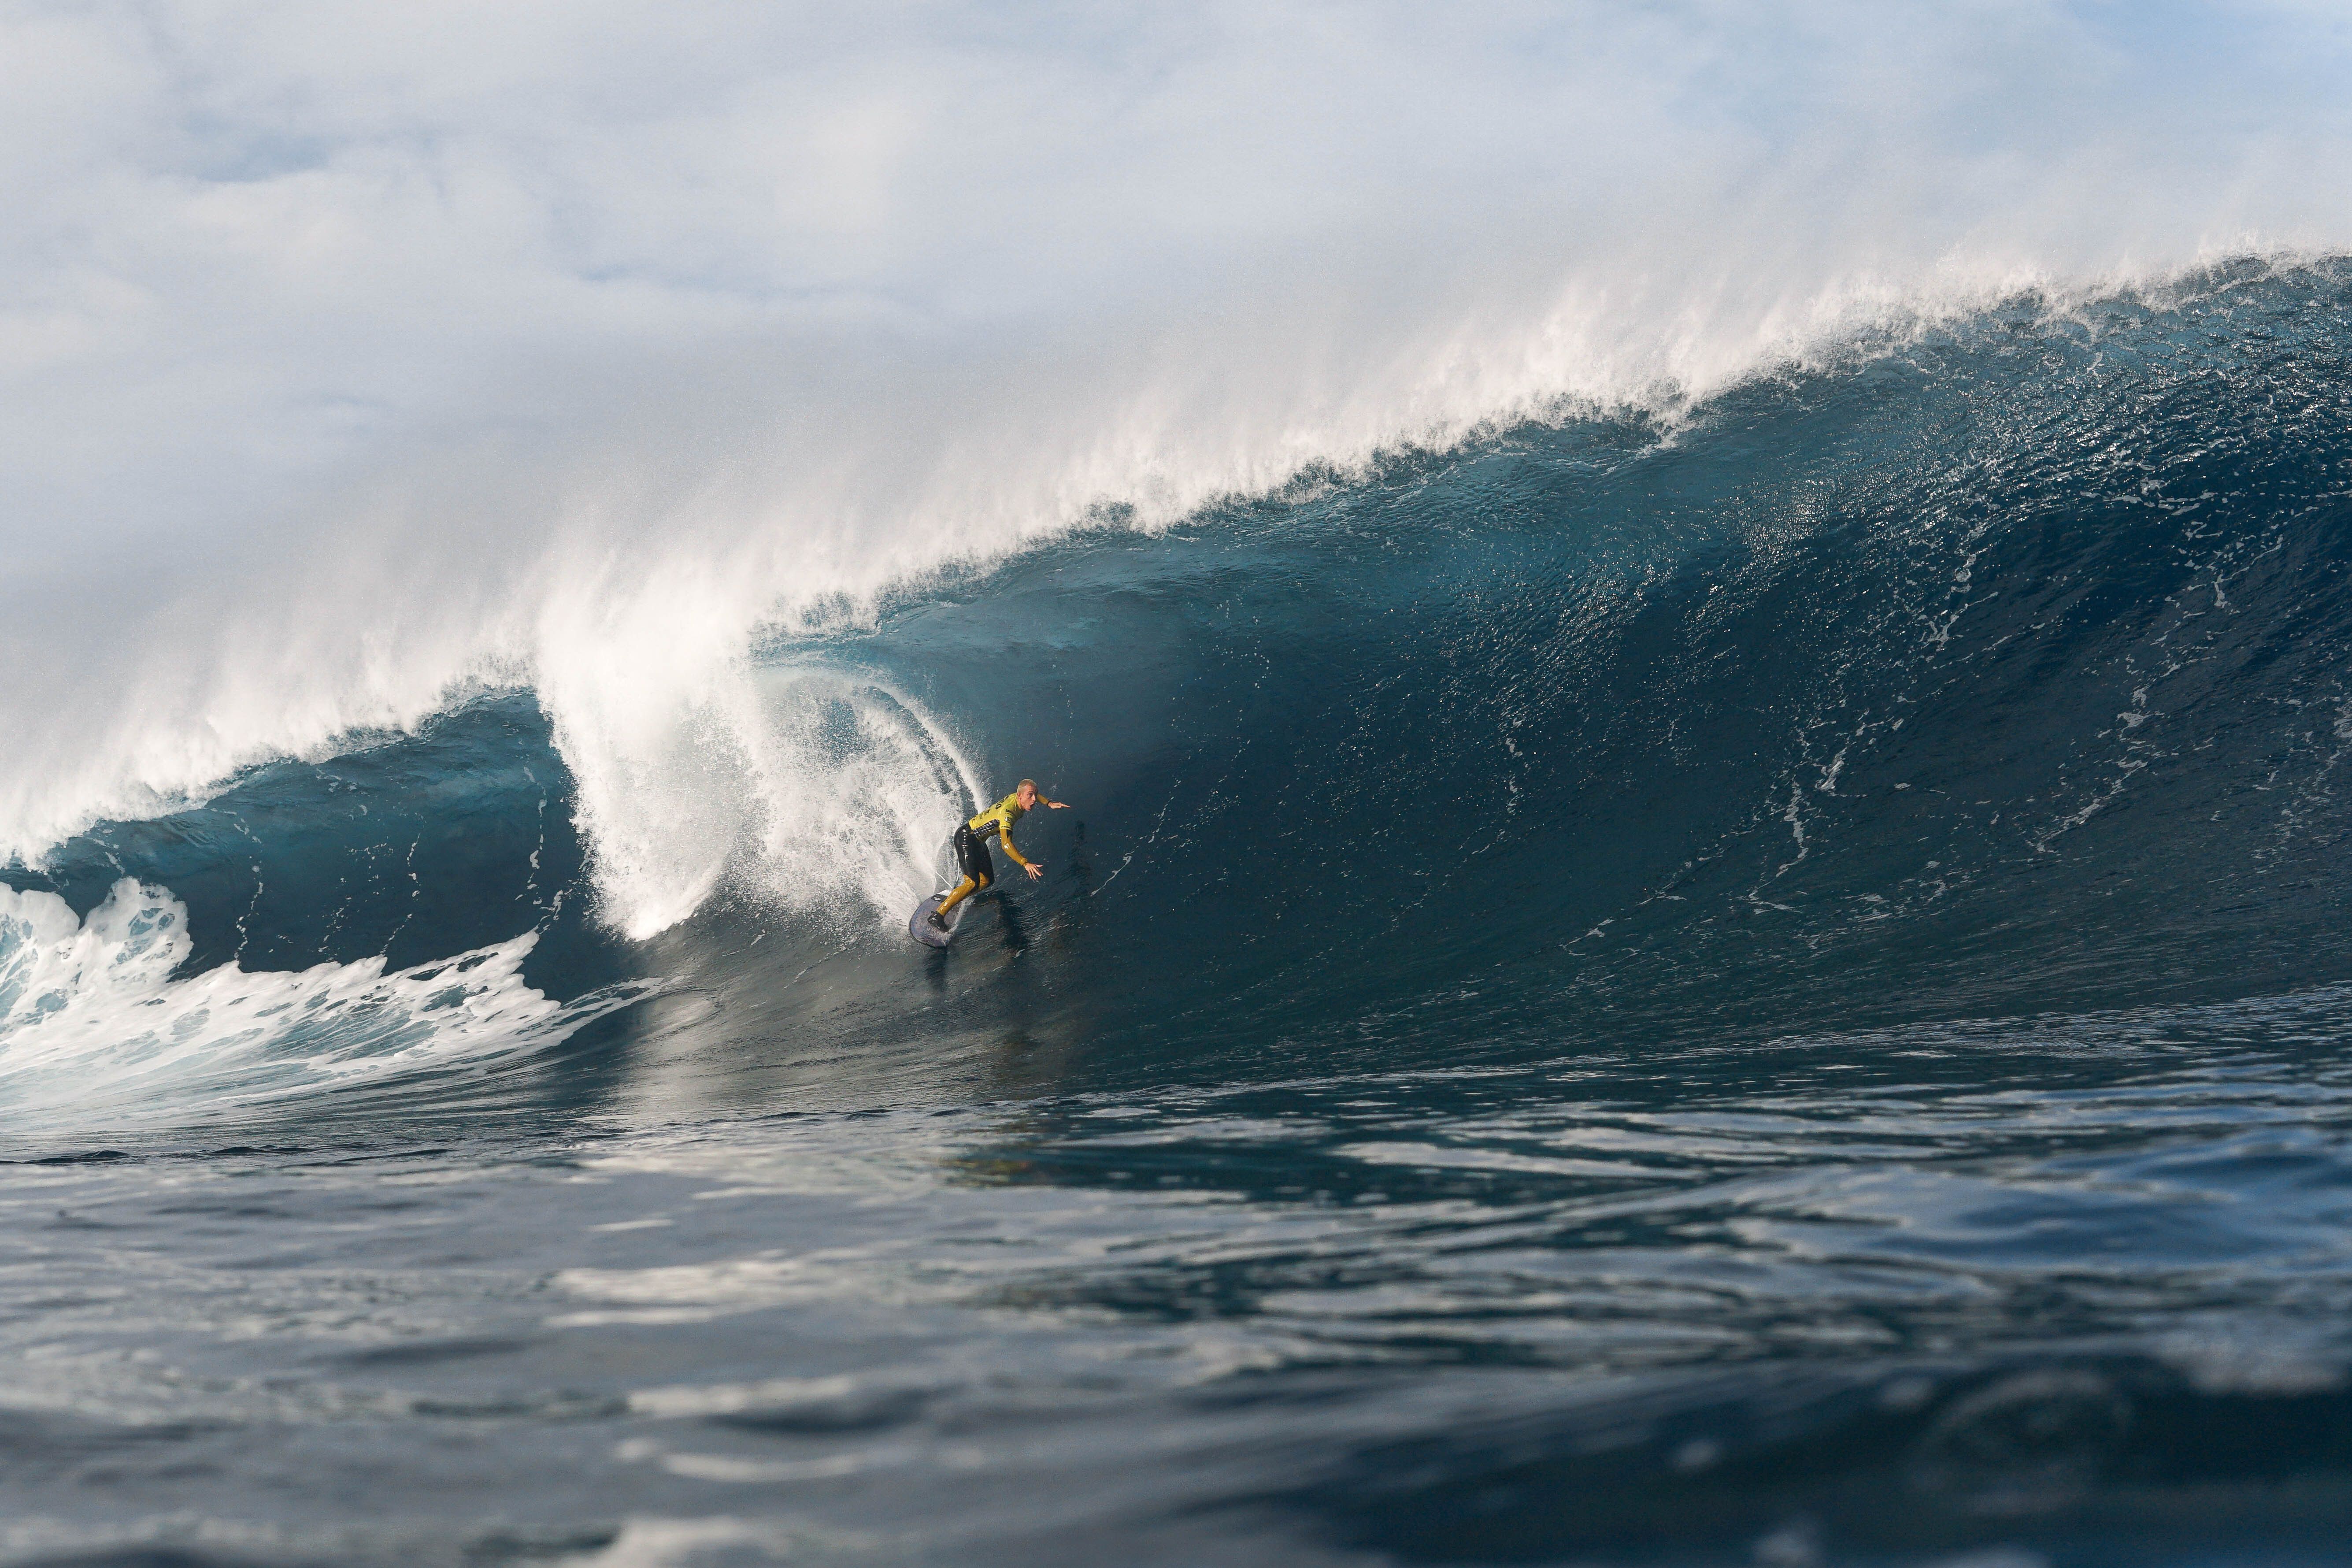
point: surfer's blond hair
(1024, 783)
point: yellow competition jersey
(999, 817)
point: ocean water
(1763, 980)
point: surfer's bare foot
(936, 923)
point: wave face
(1992, 673)
(1467, 842)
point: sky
(349, 353)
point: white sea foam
(93, 1025)
(350, 363)
(813, 790)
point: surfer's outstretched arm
(1035, 869)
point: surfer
(971, 846)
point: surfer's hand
(1035, 868)
(1059, 805)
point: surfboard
(918, 925)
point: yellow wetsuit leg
(964, 890)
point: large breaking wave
(1996, 667)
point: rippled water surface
(2074, 1287)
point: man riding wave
(971, 844)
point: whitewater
(1700, 657)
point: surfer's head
(1026, 793)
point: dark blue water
(1761, 986)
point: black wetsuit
(970, 841)
(971, 854)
